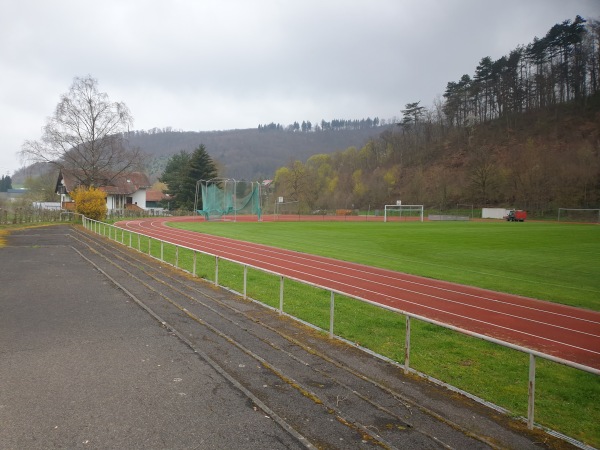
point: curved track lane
(569, 333)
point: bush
(90, 202)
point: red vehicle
(516, 215)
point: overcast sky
(201, 65)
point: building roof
(123, 184)
(153, 195)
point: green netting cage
(226, 199)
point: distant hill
(248, 154)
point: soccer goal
(227, 198)
(579, 215)
(402, 212)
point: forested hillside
(250, 154)
(523, 132)
(539, 161)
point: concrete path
(82, 366)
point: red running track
(565, 332)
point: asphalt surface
(82, 365)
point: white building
(125, 191)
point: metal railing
(113, 234)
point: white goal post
(397, 210)
(580, 214)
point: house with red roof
(124, 191)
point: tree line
(562, 66)
(333, 125)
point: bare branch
(86, 134)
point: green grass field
(550, 261)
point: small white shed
(494, 213)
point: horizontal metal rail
(94, 226)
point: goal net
(403, 212)
(579, 215)
(225, 198)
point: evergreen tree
(412, 113)
(202, 167)
(183, 171)
(173, 176)
(5, 183)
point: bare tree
(86, 135)
(484, 175)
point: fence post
(280, 294)
(216, 270)
(149, 246)
(331, 309)
(129, 239)
(162, 253)
(176, 256)
(531, 402)
(245, 281)
(194, 264)
(407, 346)
(139, 243)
